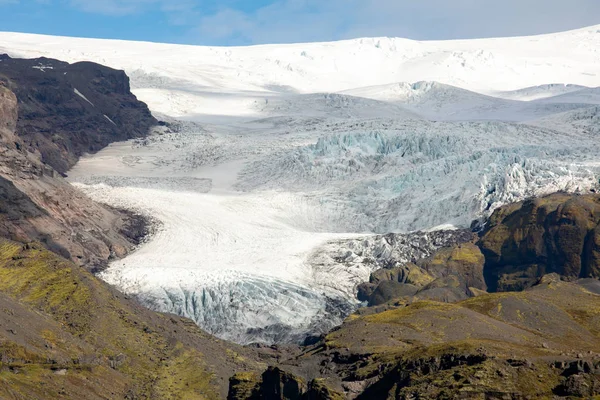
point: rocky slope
(540, 343)
(68, 335)
(65, 334)
(44, 127)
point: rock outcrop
(540, 343)
(559, 233)
(449, 275)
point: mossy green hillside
(88, 341)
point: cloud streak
(310, 20)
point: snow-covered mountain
(277, 159)
(538, 92)
(437, 101)
(584, 120)
(184, 80)
(582, 96)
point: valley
(267, 156)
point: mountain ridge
(583, 29)
(334, 66)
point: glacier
(409, 176)
(284, 175)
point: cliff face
(46, 120)
(8, 109)
(559, 233)
(66, 110)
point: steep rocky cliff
(450, 274)
(557, 233)
(44, 128)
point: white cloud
(310, 20)
(126, 7)
(282, 21)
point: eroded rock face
(557, 233)
(36, 203)
(66, 110)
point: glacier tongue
(246, 308)
(261, 236)
(231, 262)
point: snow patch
(42, 67)
(110, 120)
(78, 93)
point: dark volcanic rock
(390, 290)
(244, 385)
(579, 379)
(277, 384)
(556, 233)
(50, 120)
(465, 261)
(66, 110)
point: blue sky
(239, 22)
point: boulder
(558, 233)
